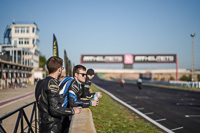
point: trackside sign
(102, 58)
(171, 58)
(129, 58)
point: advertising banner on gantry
(129, 58)
(155, 58)
(102, 58)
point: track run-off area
(173, 109)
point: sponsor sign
(168, 58)
(102, 58)
(128, 59)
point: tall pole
(193, 65)
(176, 68)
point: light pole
(193, 65)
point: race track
(177, 110)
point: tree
(42, 61)
(186, 78)
(70, 68)
(198, 77)
(171, 78)
(66, 63)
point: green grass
(111, 117)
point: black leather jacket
(75, 94)
(49, 106)
(86, 86)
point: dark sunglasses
(82, 74)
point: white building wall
(30, 35)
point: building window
(22, 29)
(16, 29)
(33, 30)
(26, 41)
(37, 31)
(27, 29)
(37, 42)
(15, 43)
(20, 40)
(33, 41)
(36, 53)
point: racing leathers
(86, 86)
(75, 94)
(49, 106)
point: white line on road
(192, 115)
(15, 97)
(140, 108)
(184, 104)
(18, 99)
(15, 101)
(187, 99)
(161, 119)
(150, 113)
(177, 128)
(141, 97)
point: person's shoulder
(66, 79)
(74, 85)
(53, 84)
(40, 81)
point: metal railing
(31, 125)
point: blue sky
(112, 27)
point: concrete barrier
(83, 122)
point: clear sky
(111, 27)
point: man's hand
(99, 95)
(77, 110)
(95, 102)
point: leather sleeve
(74, 99)
(86, 86)
(54, 101)
(86, 93)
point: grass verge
(111, 117)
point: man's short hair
(77, 68)
(53, 63)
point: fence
(82, 122)
(186, 84)
(31, 125)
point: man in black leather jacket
(87, 92)
(76, 89)
(48, 99)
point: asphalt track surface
(177, 110)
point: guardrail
(32, 124)
(187, 84)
